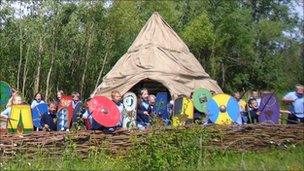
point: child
(242, 107)
(48, 120)
(5, 115)
(86, 115)
(10, 101)
(170, 105)
(252, 115)
(116, 98)
(255, 95)
(143, 117)
(38, 100)
(152, 100)
(60, 93)
(170, 110)
(15, 101)
(76, 99)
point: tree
(71, 45)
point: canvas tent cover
(159, 54)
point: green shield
(200, 98)
(5, 93)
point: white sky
(299, 7)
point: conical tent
(158, 54)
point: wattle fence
(240, 138)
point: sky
(299, 7)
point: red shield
(104, 111)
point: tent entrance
(153, 87)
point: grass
(290, 159)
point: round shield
(129, 101)
(269, 109)
(37, 113)
(5, 93)
(223, 109)
(104, 111)
(200, 99)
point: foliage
(199, 34)
(241, 44)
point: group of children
(250, 111)
(145, 107)
(48, 121)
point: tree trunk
(223, 74)
(37, 79)
(101, 70)
(87, 56)
(255, 10)
(40, 52)
(302, 53)
(25, 70)
(54, 51)
(213, 60)
(20, 58)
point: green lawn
(160, 159)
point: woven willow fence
(240, 138)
